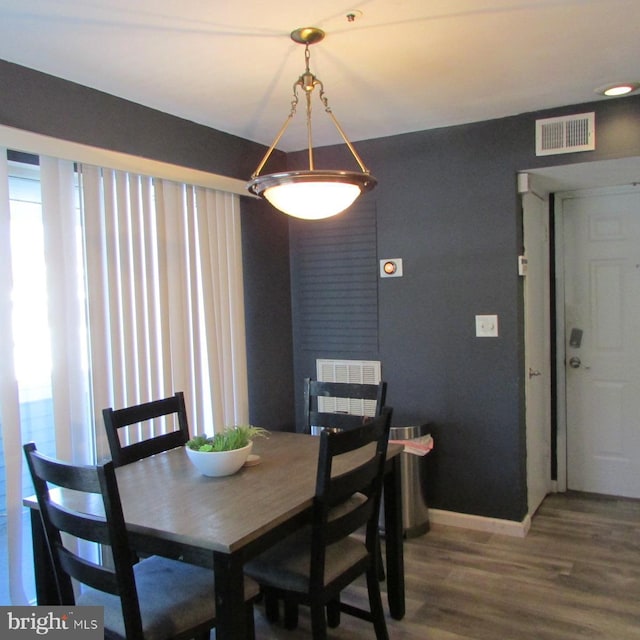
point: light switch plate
(487, 326)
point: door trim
(561, 371)
(543, 395)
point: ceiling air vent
(566, 134)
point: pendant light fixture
(313, 193)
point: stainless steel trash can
(415, 512)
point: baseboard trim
(481, 523)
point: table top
(165, 497)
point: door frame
(560, 348)
(528, 186)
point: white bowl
(219, 463)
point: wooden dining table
(171, 509)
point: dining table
(171, 509)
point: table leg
(46, 588)
(394, 539)
(230, 605)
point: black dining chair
(314, 566)
(352, 403)
(349, 404)
(154, 599)
(118, 421)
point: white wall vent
(354, 371)
(566, 134)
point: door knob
(533, 372)
(575, 362)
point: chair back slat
(361, 391)
(88, 573)
(315, 389)
(117, 420)
(88, 527)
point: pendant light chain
(309, 82)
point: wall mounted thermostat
(391, 268)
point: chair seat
(174, 597)
(286, 565)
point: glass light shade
(312, 200)
(313, 194)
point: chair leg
(290, 613)
(318, 622)
(333, 613)
(250, 622)
(271, 608)
(375, 605)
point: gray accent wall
(51, 106)
(265, 256)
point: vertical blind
(166, 306)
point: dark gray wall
(265, 249)
(42, 103)
(447, 204)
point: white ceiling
(400, 66)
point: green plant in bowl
(228, 439)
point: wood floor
(575, 576)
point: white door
(535, 218)
(601, 230)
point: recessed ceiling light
(618, 89)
